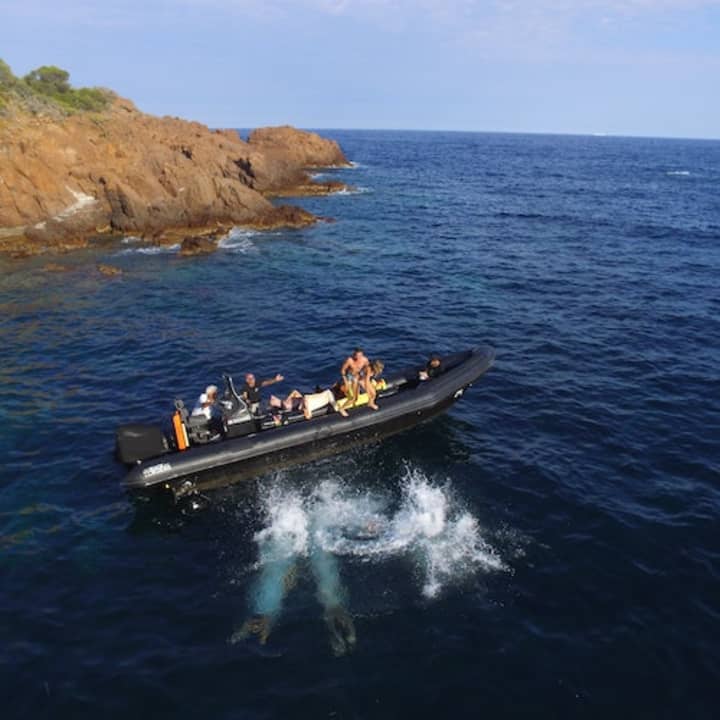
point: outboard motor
(135, 443)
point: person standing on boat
(250, 391)
(350, 372)
(353, 371)
(370, 380)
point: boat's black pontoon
(241, 445)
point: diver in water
(278, 577)
(331, 595)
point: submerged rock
(306, 189)
(55, 267)
(284, 216)
(198, 245)
(109, 270)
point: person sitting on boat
(250, 391)
(205, 404)
(308, 403)
(370, 380)
(351, 373)
(432, 369)
(293, 401)
(318, 400)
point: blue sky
(632, 67)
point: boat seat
(201, 430)
(392, 385)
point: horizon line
(554, 133)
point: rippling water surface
(549, 548)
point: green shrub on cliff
(7, 79)
(49, 86)
(7, 82)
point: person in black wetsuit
(250, 391)
(432, 369)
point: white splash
(359, 190)
(287, 532)
(238, 241)
(150, 250)
(441, 541)
(682, 173)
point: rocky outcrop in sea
(66, 180)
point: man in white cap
(204, 404)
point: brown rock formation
(198, 245)
(66, 180)
(298, 147)
(305, 189)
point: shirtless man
(353, 371)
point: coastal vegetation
(47, 89)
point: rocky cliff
(65, 179)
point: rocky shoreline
(67, 181)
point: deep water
(549, 548)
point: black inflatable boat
(240, 445)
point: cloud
(444, 12)
(459, 9)
(519, 29)
(548, 20)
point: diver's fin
(341, 629)
(259, 625)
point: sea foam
(238, 241)
(149, 249)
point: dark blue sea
(550, 548)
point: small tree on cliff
(49, 80)
(53, 83)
